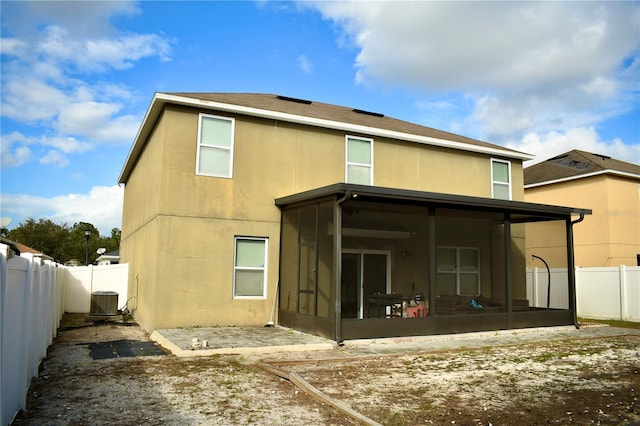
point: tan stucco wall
(178, 237)
(433, 169)
(611, 235)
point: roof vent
(296, 100)
(374, 114)
(558, 157)
(602, 157)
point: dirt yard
(585, 381)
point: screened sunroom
(361, 262)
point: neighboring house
(242, 209)
(18, 248)
(111, 258)
(609, 187)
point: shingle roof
(576, 164)
(331, 112)
(311, 113)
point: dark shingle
(573, 164)
(331, 112)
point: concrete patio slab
(203, 341)
(264, 340)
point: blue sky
(77, 78)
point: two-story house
(609, 187)
(241, 209)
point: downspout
(572, 268)
(337, 261)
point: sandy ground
(594, 381)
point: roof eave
(160, 99)
(150, 118)
(586, 175)
(451, 200)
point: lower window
(250, 270)
(458, 271)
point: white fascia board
(147, 124)
(586, 175)
(338, 125)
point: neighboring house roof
(112, 255)
(576, 165)
(20, 248)
(310, 113)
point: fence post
(534, 281)
(4, 273)
(577, 289)
(623, 292)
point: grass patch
(612, 323)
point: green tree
(77, 244)
(43, 235)
(64, 243)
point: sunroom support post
(337, 262)
(571, 268)
(431, 241)
(508, 258)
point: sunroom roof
(519, 210)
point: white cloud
(525, 66)
(101, 206)
(82, 18)
(305, 64)
(101, 54)
(54, 157)
(453, 45)
(12, 46)
(50, 61)
(14, 150)
(550, 144)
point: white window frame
(348, 163)
(457, 270)
(230, 148)
(494, 182)
(246, 268)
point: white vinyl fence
(601, 293)
(34, 293)
(84, 280)
(609, 293)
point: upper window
(215, 146)
(359, 167)
(501, 179)
(250, 268)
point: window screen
(501, 179)
(359, 161)
(215, 146)
(250, 267)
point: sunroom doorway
(364, 273)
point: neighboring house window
(501, 179)
(250, 270)
(215, 146)
(458, 271)
(359, 168)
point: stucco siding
(611, 235)
(195, 271)
(623, 216)
(179, 227)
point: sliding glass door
(364, 273)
